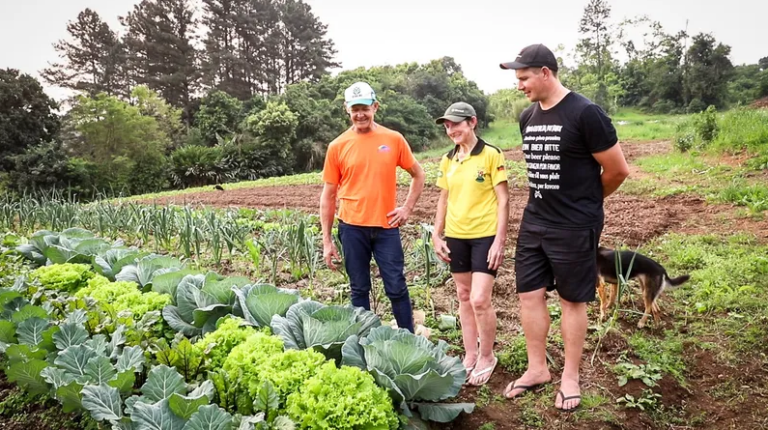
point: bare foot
(568, 396)
(483, 370)
(529, 380)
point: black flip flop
(575, 396)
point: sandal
(484, 371)
(575, 396)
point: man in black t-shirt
(567, 141)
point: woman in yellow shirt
(472, 215)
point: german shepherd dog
(651, 275)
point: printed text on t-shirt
(543, 159)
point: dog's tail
(676, 282)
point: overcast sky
(479, 34)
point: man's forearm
(414, 192)
(611, 182)
(327, 212)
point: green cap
(457, 112)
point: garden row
(140, 340)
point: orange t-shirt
(364, 166)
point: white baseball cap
(359, 93)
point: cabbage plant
(416, 372)
(310, 324)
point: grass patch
(681, 173)
(727, 274)
(664, 354)
(754, 196)
(727, 293)
(514, 356)
(633, 125)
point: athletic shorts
(470, 255)
(558, 259)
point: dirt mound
(760, 103)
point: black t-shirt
(564, 178)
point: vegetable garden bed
(139, 340)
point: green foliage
(218, 117)
(124, 296)
(415, 371)
(93, 58)
(514, 357)
(705, 124)
(116, 136)
(27, 117)
(275, 130)
(725, 274)
(45, 167)
(311, 324)
(507, 104)
(742, 129)
(217, 345)
(261, 358)
(404, 114)
(195, 166)
(343, 398)
(708, 70)
(63, 277)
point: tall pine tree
(93, 58)
(261, 46)
(300, 50)
(160, 43)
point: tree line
(190, 94)
(638, 63)
(186, 96)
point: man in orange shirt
(361, 171)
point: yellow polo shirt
(472, 203)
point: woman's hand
(496, 254)
(441, 248)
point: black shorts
(470, 255)
(558, 259)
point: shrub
(345, 398)
(705, 124)
(194, 166)
(64, 277)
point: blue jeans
(358, 244)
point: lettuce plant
(416, 371)
(261, 358)
(310, 324)
(63, 277)
(123, 296)
(344, 398)
(217, 345)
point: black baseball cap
(533, 56)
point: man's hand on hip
(399, 216)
